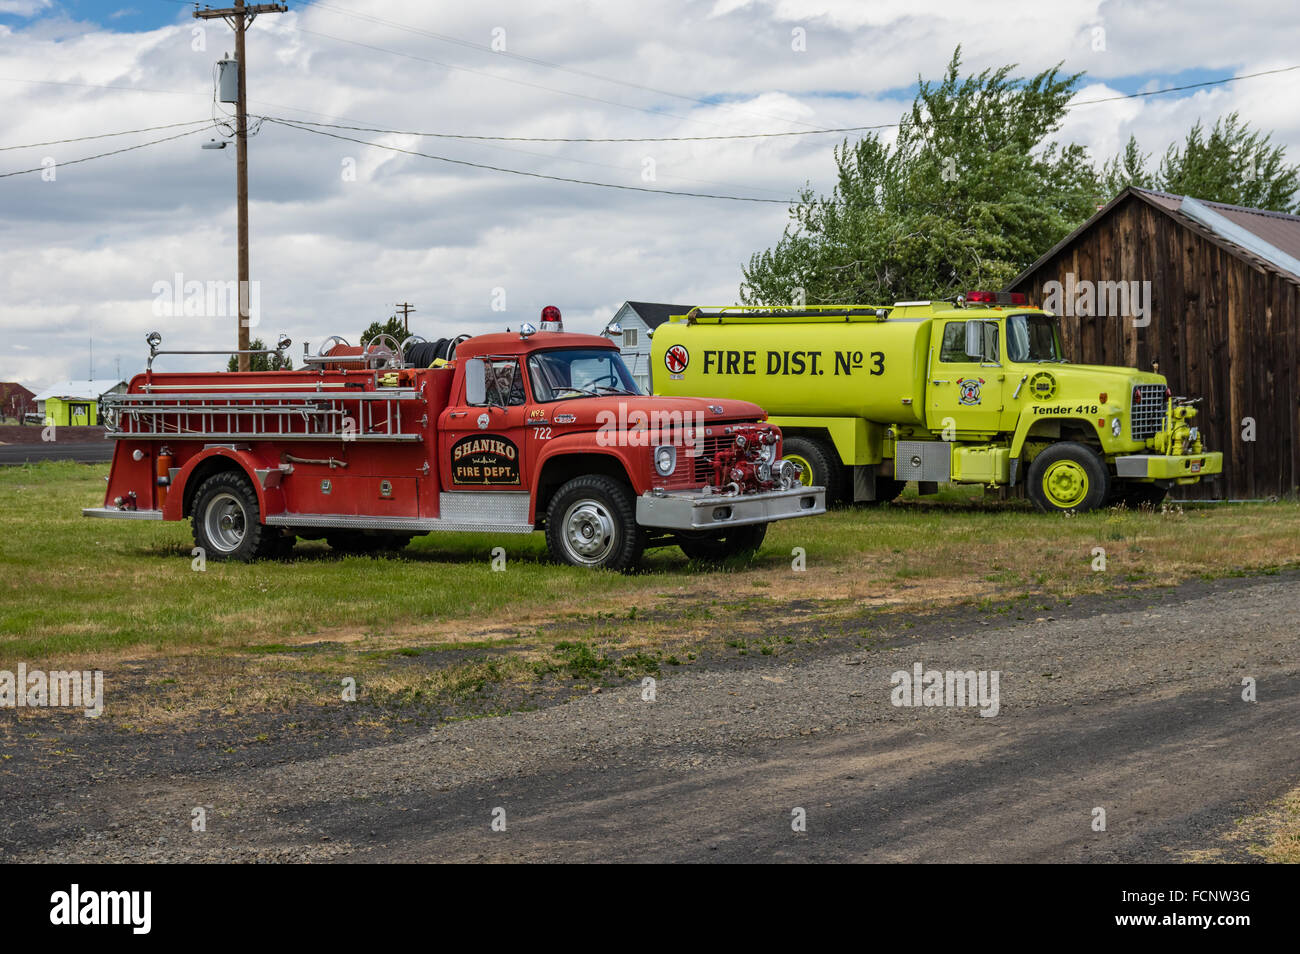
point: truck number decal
(484, 459)
(846, 362)
(542, 433)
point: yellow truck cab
(976, 390)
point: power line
(764, 135)
(1179, 89)
(125, 132)
(398, 132)
(520, 172)
(506, 79)
(470, 44)
(103, 155)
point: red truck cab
(510, 433)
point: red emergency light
(997, 298)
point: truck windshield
(578, 372)
(1032, 339)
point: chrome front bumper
(696, 510)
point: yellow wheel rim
(1065, 484)
(805, 474)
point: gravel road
(1133, 706)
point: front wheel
(820, 464)
(591, 522)
(718, 545)
(1068, 478)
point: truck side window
(953, 349)
(505, 385)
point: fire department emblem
(483, 460)
(676, 359)
(968, 390)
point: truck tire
(821, 465)
(1068, 478)
(717, 546)
(227, 521)
(591, 522)
(357, 542)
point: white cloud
(79, 256)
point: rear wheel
(591, 522)
(1068, 478)
(820, 463)
(227, 521)
(719, 545)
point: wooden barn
(1223, 321)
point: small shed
(1220, 285)
(75, 403)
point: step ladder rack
(300, 412)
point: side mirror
(975, 339)
(475, 381)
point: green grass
(72, 586)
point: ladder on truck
(300, 411)
(305, 415)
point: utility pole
(239, 17)
(406, 308)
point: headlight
(665, 459)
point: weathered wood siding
(1222, 328)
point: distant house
(74, 403)
(1223, 322)
(15, 401)
(639, 319)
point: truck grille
(696, 470)
(1147, 415)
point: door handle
(942, 381)
(458, 413)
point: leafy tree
(968, 194)
(262, 362)
(393, 327)
(1232, 163)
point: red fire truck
(367, 447)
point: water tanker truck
(971, 391)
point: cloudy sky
(341, 231)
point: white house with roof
(639, 319)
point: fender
(1059, 413)
(583, 443)
(269, 500)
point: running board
(409, 524)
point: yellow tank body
(820, 366)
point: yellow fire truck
(975, 390)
